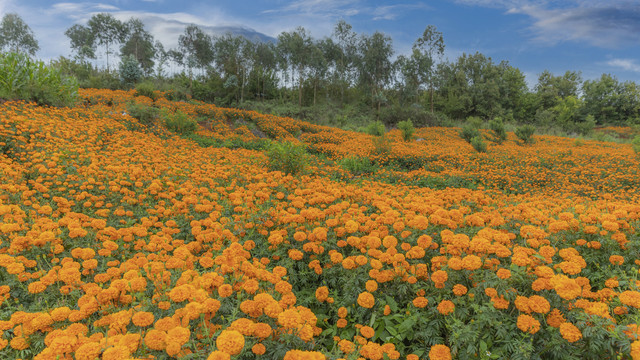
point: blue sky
(591, 36)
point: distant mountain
(239, 30)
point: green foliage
(498, 132)
(147, 89)
(287, 157)
(17, 36)
(179, 122)
(479, 144)
(525, 133)
(129, 70)
(635, 144)
(381, 145)
(22, 78)
(407, 129)
(358, 165)
(145, 114)
(471, 129)
(376, 128)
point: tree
(107, 31)
(130, 70)
(82, 42)
(430, 44)
(295, 48)
(347, 43)
(375, 64)
(610, 101)
(551, 88)
(17, 36)
(139, 43)
(197, 48)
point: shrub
(357, 165)
(498, 131)
(635, 143)
(179, 122)
(147, 89)
(381, 145)
(407, 129)
(525, 133)
(129, 70)
(469, 132)
(31, 80)
(376, 128)
(287, 157)
(144, 113)
(479, 144)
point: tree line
(345, 69)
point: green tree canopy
(16, 35)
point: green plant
(498, 131)
(129, 70)
(381, 145)
(469, 132)
(147, 89)
(357, 165)
(407, 129)
(479, 144)
(22, 78)
(376, 128)
(287, 157)
(179, 122)
(635, 144)
(525, 133)
(144, 113)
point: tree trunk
(431, 91)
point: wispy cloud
(607, 24)
(392, 12)
(625, 64)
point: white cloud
(625, 64)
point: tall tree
(139, 43)
(375, 65)
(552, 89)
(197, 48)
(16, 35)
(347, 41)
(82, 42)
(425, 48)
(107, 31)
(295, 47)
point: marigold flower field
(122, 241)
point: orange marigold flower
(230, 341)
(322, 293)
(420, 302)
(616, 259)
(459, 289)
(527, 323)
(367, 332)
(440, 352)
(570, 332)
(503, 273)
(218, 355)
(258, 349)
(342, 312)
(630, 298)
(142, 319)
(225, 290)
(371, 285)
(446, 307)
(155, 339)
(366, 300)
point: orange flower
(446, 307)
(439, 352)
(366, 300)
(142, 319)
(420, 302)
(367, 332)
(230, 341)
(258, 349)
(570, 332)
(526, 323)
(322, 293)
(218, 355)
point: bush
(358, 165)
(469, 132)
(147, 89)
(635, 144)
(407, 129)
(179, 122)
(376, 128)
(287, 157)
(144, 113)
(479, 144)
(381, 145)
(129, 70)
(31, 80)
(525, 133)
(498, 131)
